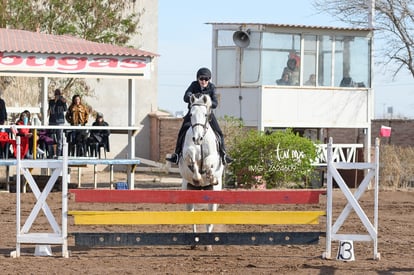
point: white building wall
(111, 95)
(297, 107)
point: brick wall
(164, 131)
(342, 135)
(402, 131)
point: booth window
(310, 59)
(325, 60)
(278, 49)
(275, 59)
(351, 62)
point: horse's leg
(209, 174)
(214, 207)
(210, 164)
(190, 207)
(209, 227)
(197, 178)
(190, 161)
(211, 207)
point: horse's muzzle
(198, 141)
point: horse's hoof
(208, 248)
(193, 247)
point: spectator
(347, 82)
(24, 134)
(3, 111)
(292, 71)
(284, 80)
(56, 112)
(99, 138)
(46, 143)
(77, 115)
(311, 81)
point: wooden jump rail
(196, 217)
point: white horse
(201, 166)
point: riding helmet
(204, 72)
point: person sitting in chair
(284, 80)
(311, 81)
(290, 74)
(99, 138)
(46, 143)
(24, 133)
(201, 86)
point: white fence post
(23, 233)
(332, 229)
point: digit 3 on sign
(346, 251)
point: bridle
(207, 116)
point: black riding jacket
(195, 88)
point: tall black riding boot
(179, 144)
(224, 156)
(176, 155)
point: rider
(201, 86)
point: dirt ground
(396, 242)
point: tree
(104, 21)
(394, 25)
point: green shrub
(279, 159)
(232, 128)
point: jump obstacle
(205, 217)
(196, 217)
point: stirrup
(227, 159)
(173, 159)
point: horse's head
(200, 99)
(200, 114)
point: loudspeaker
(241, 38)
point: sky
(185, 46)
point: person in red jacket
(24, 134)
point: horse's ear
(192, 98)
(205, 99)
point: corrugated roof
(294, 26)
(33, 42)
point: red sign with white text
(54, 64)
